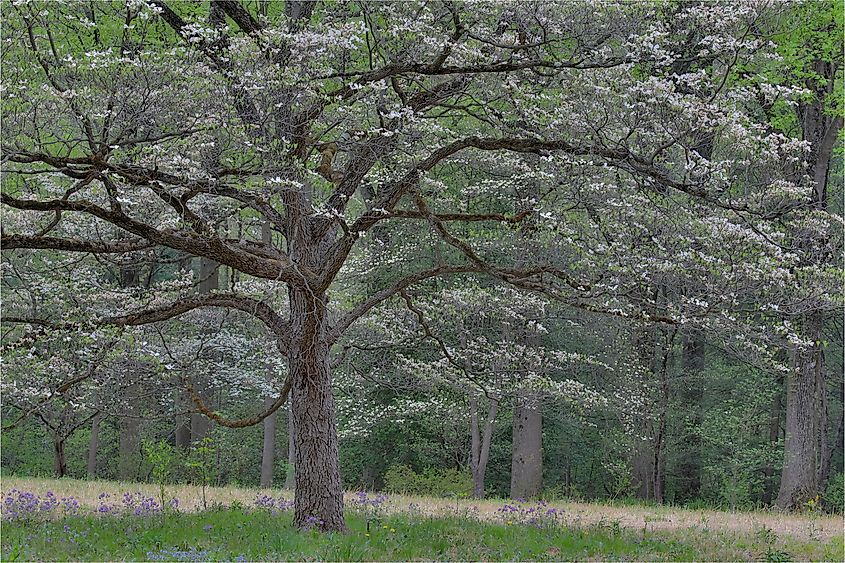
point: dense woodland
(533, 249)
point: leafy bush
(562, 492)
(431, 482)
(162, 457)
(834, 495)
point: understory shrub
(834, 495)
(431, 482)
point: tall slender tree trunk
(659, 464)
(268, 454)
(182, 401)
(183, 423)
(209, 275)
(93, 446)
(290, 475)
(59, 459)
(481, 445)
(691, 392)
(130, 436)
(527, 450)
(319, 491)
(646, 451)
(129, 449)
(774, 434)
(830, 449)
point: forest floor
(401, 527)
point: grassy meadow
(250, 525)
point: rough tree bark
(317, 473)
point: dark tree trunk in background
(183, 403)
(59, 459)
(773, 436)
(130, 436)
(527, 451)
(183, 422)
(642, 468)
(806, 444)
(130, 449)
(481, 445)
(93, 446)
(658, 477)
(290, 474)
(838, 434)
(691, 393)
(646, 455)
(319, 491)
(268, 453)
(209, 276)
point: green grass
(256, 535)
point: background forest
(657, 316)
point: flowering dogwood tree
(150, 124)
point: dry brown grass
(804, 527)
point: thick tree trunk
(268, 454)
(481, 445)
(527, 451)
(805, 428)
(806, 445)
(319, 491)
(59, 459)
(93, 446)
